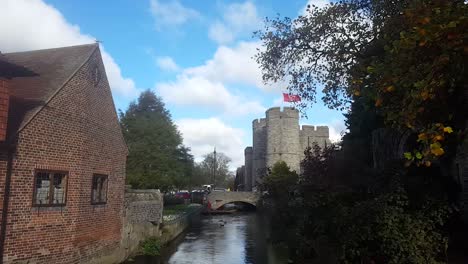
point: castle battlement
(259, 123)
(286, 112)
(318, 131)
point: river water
(222, 239)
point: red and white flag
(291, 97)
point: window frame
(106, 177)
(50, 172)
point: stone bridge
(218, 199)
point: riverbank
(175, 220)
(178, 218)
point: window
(50, 188)
(99, 189)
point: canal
(225, 239)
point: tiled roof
(53, 68)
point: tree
(279, 181)
(157, 158)
(405, 57)
(208, 168)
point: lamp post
(214, 168)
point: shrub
(172, 200)
(151, 246)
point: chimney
(4, 104)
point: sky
(196, 55)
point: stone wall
(314, 134)
(142, 218)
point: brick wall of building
(77, 132)
(4, 103)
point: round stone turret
(259, 149)
(248, 155)
(283, 141)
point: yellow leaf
(390, 88)
(378, 102)
(422, 136)
(427, 163)
(438, 151)
(439, 138)
(424, 95)
(357, 93)
(448, 130)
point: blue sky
(195, 54)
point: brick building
(62, 158)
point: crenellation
(259, 123)
(322, 131)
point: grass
(175, 209)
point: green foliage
(417, 80)
(177, 209)
(157, 158)
(151, 246)
(205, 170)
(170, 199)
(405, 58)
(387, 229)
(280, 181)
(393, 223)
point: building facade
(62, 160)
(278, 137)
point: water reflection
(224, 239)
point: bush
(172, 200)
(151, 246)
(387, 229)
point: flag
(291, 97)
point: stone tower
(283, 137)
(248, 152)
(278, 137)
(259, 149)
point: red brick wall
(77, 131)
(4, 102)
(3, 169)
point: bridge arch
(218, 199)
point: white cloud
(206, 85)
(238, 19)
(171, 13)
(199, 91)
(33, 24)
(220, 33)
(167, 63)
(202, 135)
(232, 65)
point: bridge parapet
(218, 199)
